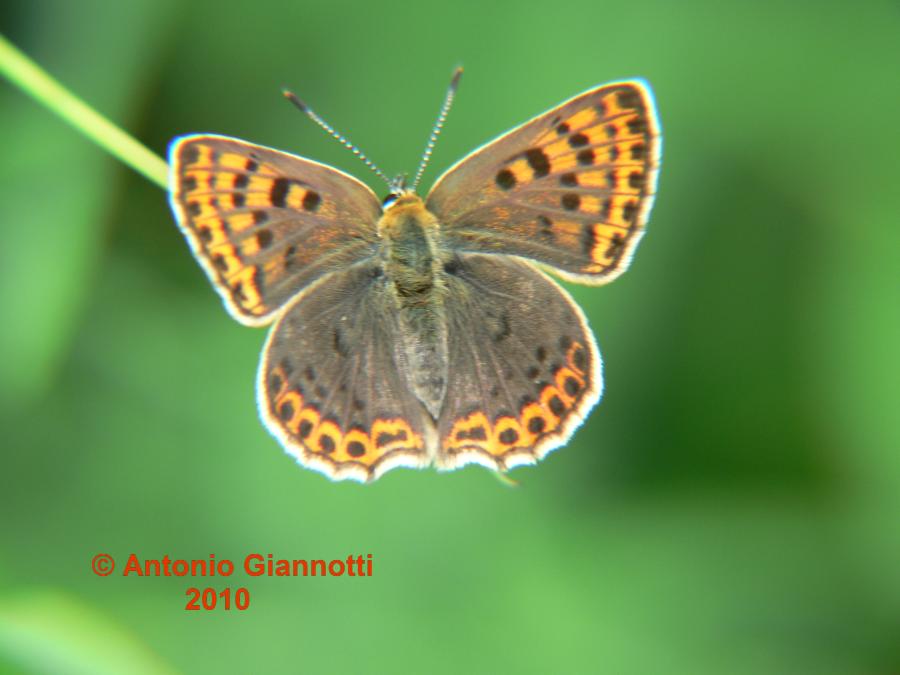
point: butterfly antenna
(292, 97)
(445, 108)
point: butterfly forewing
(571, 189)
(265, 224)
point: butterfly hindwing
(328, 387)
(265, 224)
(525, 370)
(571, 189)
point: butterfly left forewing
(571, 189)
(265, 224)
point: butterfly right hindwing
(524, 370)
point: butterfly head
(398, 188)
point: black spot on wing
(629, 98)
(538, 161)
(570, 201)
(588, 238)
(505, 179)
(508, 436)
(578, 140)
(311, 200)
(264, 238)
(278, 193)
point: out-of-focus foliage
(733, 504)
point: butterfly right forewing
(571, 189)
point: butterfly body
(425, 331)
(413, 265)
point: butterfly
(425, 331)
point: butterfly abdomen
(414, 269)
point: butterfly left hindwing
(328, 387)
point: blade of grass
(505, 480)
(32, 79)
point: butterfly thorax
(409, 236)
(413, 267)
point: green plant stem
(32, 79)
(506, 480)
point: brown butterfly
(416, 332)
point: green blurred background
(733, 504)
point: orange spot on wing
(311, 416)
(622, 206)
(258, 199)
(590, 204)
(202, 180)
(211, 232)
(581, 119)
(225, 181)
(225, 202)
(249, 246)
(566, 379)
(202, 207)
(259, 184)
(277, 375)
(612, 104)
(203, 159)
(353, 440)
(319, 442)
(603, 235)
(295, 197)
(240, 222)
(394, 434)
(244, 283)
(556, 150)
(534, 411)
(521, 171)
(548, 394)
(229, 160)
(507, 435)
(597, 179)
(472, 431)
(225, 259)
(288, 408)
(577, 355)
(563, 163)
